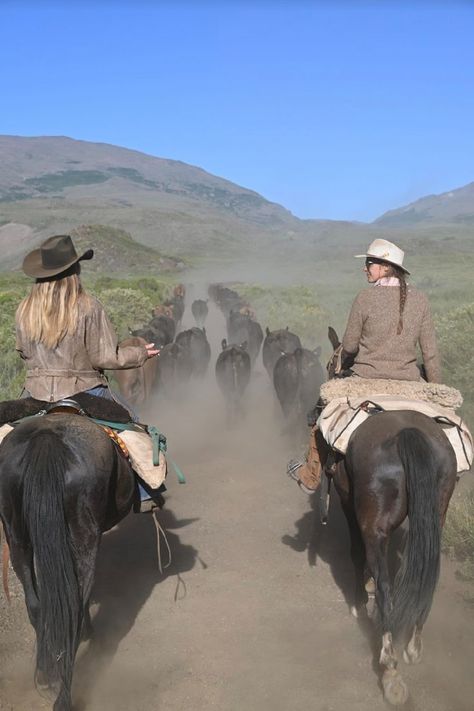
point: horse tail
(416, 579)
(45, 463)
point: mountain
(51, 183)
(455, 206)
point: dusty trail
(251, 615)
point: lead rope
(160, 531)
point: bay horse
(398, 465)
(62, 484)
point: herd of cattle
(296, 372)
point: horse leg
(22, 562)
(85, 566)
(394, 688)
(413, 652)
(358, 559)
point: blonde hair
(51, 310)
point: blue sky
(336, 110)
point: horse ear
(224, 344)
(333, 337)
(267, 331)
(317, 351)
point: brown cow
(179, 290)
(136, 383)
(162, 310)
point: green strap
(158, 438)
(178, 472)
(159, 443)
(120, 426)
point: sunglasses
(373, 260)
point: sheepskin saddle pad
(355, 387)
(343, 414)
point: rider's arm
(429, 348)
(351, 338)
(102, 344)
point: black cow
(275, 344)
(152, 335)
(199, 310)
(165, 324)
(297, 378)
(233, 375)
(237, 331)
(241, 327)
(197, 349)
(177, 304)
(174, 369)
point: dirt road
(252, 614)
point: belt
(65, 373)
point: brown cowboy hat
(53, 257)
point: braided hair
(400, 275)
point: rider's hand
(151, 350)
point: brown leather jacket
(78, 362)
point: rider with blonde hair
(64, 335)
(385, 326)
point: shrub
(127, 308)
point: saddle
(84, 404)
(143, 445)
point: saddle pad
(342, 416)
(140, 451)
(416, 390)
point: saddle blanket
(341, 417)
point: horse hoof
(411, 655)
(395, 690)
(370, 586)
(370, 606)
(354, 612)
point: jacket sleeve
(351, 338)
(102, 344)
(19, 344)
(429, 348)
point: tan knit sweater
(371, 333)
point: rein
(5, 561)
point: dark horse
(62, 484)
(397, 465)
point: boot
(308, 473)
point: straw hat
(385, 251)
(54, 256)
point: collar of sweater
(387, 281)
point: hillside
(455, 206)
(52, 185)
(115, 252)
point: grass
(458, 536)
